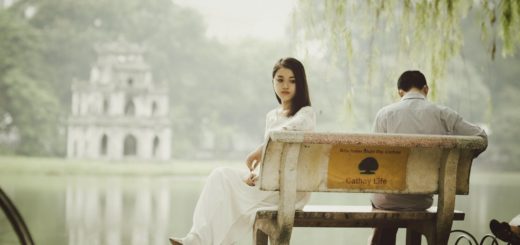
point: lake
(146, 210)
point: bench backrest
(375, 163)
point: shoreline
(21, 165)
(60, 166)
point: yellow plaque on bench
(372, 167)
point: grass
(61, 166)
(486, 177)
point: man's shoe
(502, 230)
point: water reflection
(146, 210)
(102, 212)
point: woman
(229, 200)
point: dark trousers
(384, 236)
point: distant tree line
(353, 52)
(46, 44)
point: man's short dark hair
(411, 79)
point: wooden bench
(367, 163)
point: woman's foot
(175, 241)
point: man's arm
(458, 126)
(379, 123)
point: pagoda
(120, 113)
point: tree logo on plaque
(368, 165)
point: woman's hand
(251, 179)
(254, 158)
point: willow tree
(468, 50)
(374, 40)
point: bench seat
(353, 216)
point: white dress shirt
(415, 115)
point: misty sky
(231, 20)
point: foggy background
(216, 59)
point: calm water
(146, 210)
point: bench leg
(431, 239)
(263, 230)
(282, 236)
(413, 237)
(259, 237)
(285, 218)
(384, 236)
(415, 231)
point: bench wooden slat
(353, 216)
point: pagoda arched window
(156, 143)
(154, 108)
(104, 145)
(106, 106)
(130, 108)
(130, 146)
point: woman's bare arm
(252, 161)
(254, 158)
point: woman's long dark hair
(301, 97)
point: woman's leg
(224, 203)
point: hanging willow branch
(428, 32)
(374, 41)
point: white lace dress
(227, 206)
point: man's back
(415, 115)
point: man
(413, 114)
